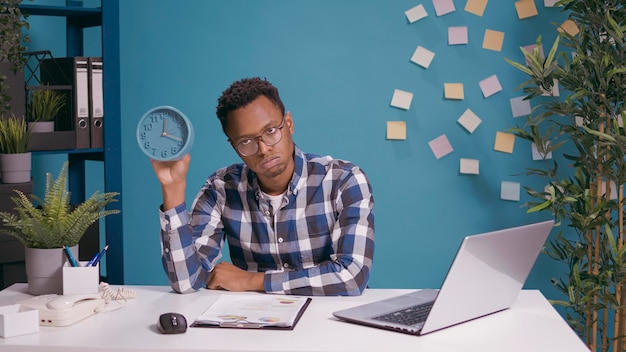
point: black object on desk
(172, 323)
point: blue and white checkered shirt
(320, 242)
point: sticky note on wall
(401, 99)
(453, 91)
(477, 7)
(396, 130)
(504, 142)
(509, 190)
(493, 40)
(469, 166)
(422, 56)
(440, 146)
(469, 120)
(416, 13)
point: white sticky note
(520, 107)
(457, 35)
(580, 121)
(416, 13)
(613, 195)
(537, 155)
(469, 121)
(440, 146)
(509, 190)
(490, 86)
(422, 56)
(443, 7)
(469, 166)
(401, 99)
(549, 3)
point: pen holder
(80, 279)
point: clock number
(147, 127)
(164, 153)
(143, 135)
(174, 150)
(147, 145)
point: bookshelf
(77, 19)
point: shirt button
(286, 265)
(280, 240)
(267, 213)
(167, 250)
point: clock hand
(178, 139)
(164, 128)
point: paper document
(253, 311)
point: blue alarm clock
(164, 133)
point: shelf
(81, 16)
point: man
(295, 223)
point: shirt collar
(298, 179)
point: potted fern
(15, 159)
(42, 107)
(46, 225)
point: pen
(69, 256)
(96, 258)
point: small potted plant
(15, 159)
(42, 107)
(46, 225)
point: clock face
(164, 133)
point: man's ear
(289, 121)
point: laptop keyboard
(407, 316)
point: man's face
(273, 164)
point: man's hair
(242, 93)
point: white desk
(531, 324)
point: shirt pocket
(315, 247)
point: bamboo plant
(584, 129)
(53, 222)
(44, 104)
(14, 135)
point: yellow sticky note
(396, 130)
(477, 7)
(570, 27)
(453, 91)
(493, 40)
(526, 8)
(504, 142)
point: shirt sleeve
(189, 252)
(348, 270)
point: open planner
(253, 312)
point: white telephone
(58, 310)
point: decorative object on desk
(51, 223)
(43, 106)
(13, 36)
(15, 159)
(585, 128)
(164, 133)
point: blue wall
(336, 64)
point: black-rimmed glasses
(271, 136)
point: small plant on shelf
(44, 104)
(14, 135)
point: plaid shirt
(320, 242)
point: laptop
(486, 276)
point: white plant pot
(44, 269)
(15, 168)
(41, 126)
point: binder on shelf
(75, 116)
(96, 102)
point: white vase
(44, 269)
(15, 168)
(41, 126)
